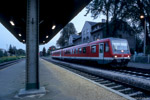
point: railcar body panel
(106, 51)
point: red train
(111, 51)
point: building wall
(70, 40)
(86, 32)
(96, 35)
(77, 42)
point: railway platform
(60, 84)
(139, 65)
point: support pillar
(32, 49)
(32, 45)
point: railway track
(126, 90)
(141, 74)
(9, 63)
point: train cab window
(80, 50)
(84, 49)
(106, 47)
(93, 49)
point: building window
(88, 31)
(84, 49)
(97, 26)
(87, 39)
(106, 47)
(93, 37)
(93, 49)
(99, 36)
(83, 40)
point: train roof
(107, 39)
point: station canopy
(53, 16)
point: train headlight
(122, 50)
(128, 56)
(115, 56)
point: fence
(140, 59)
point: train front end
(121, 52)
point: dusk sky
(6, 38)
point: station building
(93, 31)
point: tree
(97, 7)
(48, 52)
(5, 53)
(20, 52)
(10, 50)
(51, 48)
(1, 53)
(112, 9)
(125, 10)
(65, 33)
(44, 51)
(14, 50)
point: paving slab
(60, 84)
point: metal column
(32, 48)
(32, 45)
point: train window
(65, 51)
(101, 48)
(93, 49)
(106, 47)
(80, 50)
(73, 51)
(76, 50)
(84, 49)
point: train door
(101, 51)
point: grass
(10, 58)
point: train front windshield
(120, 45)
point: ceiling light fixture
(47, 36)
(20, 35)
(12, 23)
(53, 27)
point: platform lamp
(143, 17)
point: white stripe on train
(90, 58)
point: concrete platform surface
(138, 65)
(59, 83)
